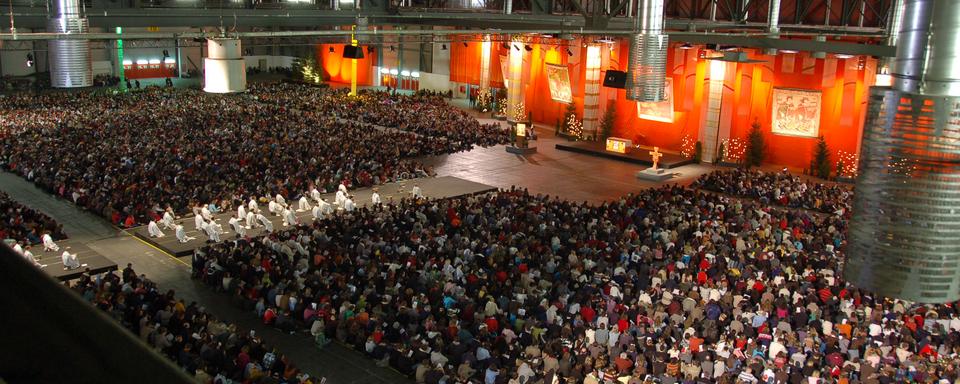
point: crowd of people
(127, 156)
(210, 350)
(668, 285)
(423, 113)
(780, 188)
(23, 228)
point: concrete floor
(549, 171)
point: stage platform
(433, 187)
(95, 263)
(634, 155)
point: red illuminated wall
(747, 95)
(149, 71)
(337, 69)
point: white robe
(375, 198)
(237, 225)
(325, 208)
(241, 212)
(341, 196)
(348, 205)
(212, 232)
(273, 207)
(70, 260)
(17, 248)
(317, 215)
(251, 220)
(182, 234)
(267, 225)
(48, 244)
(289, 218)
(315, 194)
(205, 212)
(252, 205)
(416, 192)
(280, 200)
(304, 204)
(168, 220)
(154, 230)
(30, 257)
(198, 220)
(342, 188)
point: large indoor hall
(480, 192)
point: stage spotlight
(505, 45)
(392, 48)
(443, 47)
(465, 44)
(166, 53)
(569, 52)
(370, 49)
(517, 47)
(330, 49)
(29, 60)
(686, 46)
(528, 48)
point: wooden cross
(655, 154)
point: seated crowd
(423, 113)
(126, 156)
(23, 228)
(781, 188)
(671, 284)
(208, 349)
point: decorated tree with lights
(484, 100)
(308, 70)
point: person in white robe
(251, 220)
(48, 244)
(375, 197)
(154, 230)
(317, 215)
(18, 248)
(326, 208)
(267, 224)
(273, 207)
(289, 218)
(205, 212)
(303, 204)
(416, 192)
(198, 221)
(182, 234)
(280, 200)
(342, 188)
(252, 205)
(237, 224)
(70, 260)
(31, 258)
(315, 194)
(168, 218)
(241, 212)
(212, 233)
(340, 197)
(348, 204)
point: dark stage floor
(53, 261)
(639, 156)
(435, 187)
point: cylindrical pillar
(70, 65)
(912, 45)
(647, 66)
(224, 69)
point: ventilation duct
(647, 66)
(70, 65)
(906, 213)
(224, 70)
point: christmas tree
(755, 145)
(574, 126)
(606, 125)
(820, 165)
